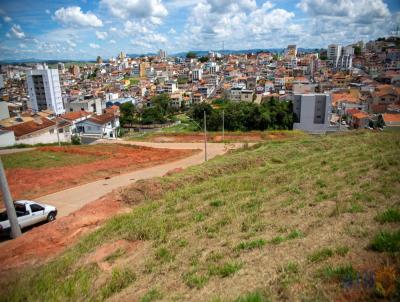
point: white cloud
(47, 11)
(22, 45)
(101, 35)
(172, 31)
(7, 19)
(16, 32)
(357, 9)
(73, 16)
(112, 41)
(113, 29)
(153, 10)
(71, 43)
(93, 45)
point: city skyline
(85, 29)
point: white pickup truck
(28, 213)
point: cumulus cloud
(101, 35)
(93, 45)
(112, 41)
(153, 10)
(357, 9)
(73, 16)
(7, 19)
(47, 11)
(16, 32)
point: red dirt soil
(49, 240)
(113, 159)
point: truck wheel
(51, 217)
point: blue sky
(83, 29)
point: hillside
(311, 218)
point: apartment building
(312, 112)
(44, 90)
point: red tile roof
(360, 115)
(102, 119)
(31, 126)
(391, 118)
(71, 116)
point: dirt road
(72, 199)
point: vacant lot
(216, 137)
(312, 219)
(50, 169)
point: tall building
(333, 54)
(197, 75)
(312, 112)
(143, 69)
(341, 57)
(162, 54)
(44, 90)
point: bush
(75, 140)
(386, 242)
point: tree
(357, 50)
(204, 59)
(191, 55)
(128, 111)
(153, 115)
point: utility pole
(58, 135)
(205, 136)
(8, 202)
(223, 125)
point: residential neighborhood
(200, 150)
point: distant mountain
(34, 60)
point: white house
(104, 125)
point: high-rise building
(312, 112)
(197, 75)
(44, 90)
(143, 69)
(162, 54)
(333, 54)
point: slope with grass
(285, 220)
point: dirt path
(15, 150)
(72, 199)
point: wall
(7, 138)
(45, 137)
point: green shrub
(390, 215)
(386, 242)
(250, 245)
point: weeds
(386, 241)
(390, 215)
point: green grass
(386, 241)
(151, 295)
(390, 215)
(44, 159)
(255, 296)
(120, 279)
(115, 255)
(325, 253)
(341, 273)
(195, 226)
(292, 235)
(251, 245)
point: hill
(311, 218)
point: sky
(84, 29)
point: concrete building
(333, 54)
(89, 105)
(44, 90)
(162, 54)
(197, 75)
(312, 112)
(103, 126)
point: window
(51, 131)
(36, 208)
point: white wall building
(312, 112)
(1, 81)
(197, 75)
(44, 90)
(334, 52)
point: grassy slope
(288, 220)
(43, 159)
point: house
(360, 120)
(104, 125)
(41, 130)
(391, 120)
(74, 118)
